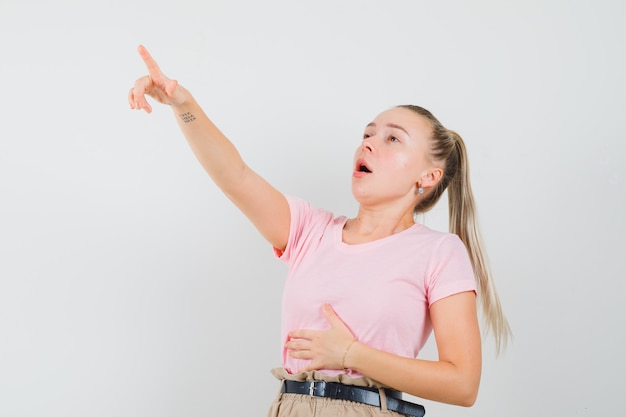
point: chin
(360, 196)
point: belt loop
(383, 399)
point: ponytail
(448, 147)
(463, 222)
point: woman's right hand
(265, 206)
(155, 85)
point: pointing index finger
(153, 69)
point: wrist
(183, 101)
(345, 363)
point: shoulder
(303, 211)
(443, 249)
(437, 240)
(449, 267)
(308, 225)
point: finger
(153, 68)
(299, 344)
(302, 334)
(170, 86)
(138, 102)
(132, 101)
(331, 316)
(139, 94)
(300, 354)
(131, 98)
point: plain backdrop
(129, 285)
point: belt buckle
(320, 386)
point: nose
(366, 145)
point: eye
(393, 139)
(366, 135)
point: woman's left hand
(325, 348)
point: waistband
(364, 395)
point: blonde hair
(448, 148)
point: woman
(364, 293)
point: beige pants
(298, 405)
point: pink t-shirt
(381, 289)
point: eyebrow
(393, 125)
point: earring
(420, 190)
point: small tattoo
(187, 117)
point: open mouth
(363, 168)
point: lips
(362, 166)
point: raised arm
(263, 204)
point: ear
(431, 177)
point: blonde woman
(363, 293)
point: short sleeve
(306, 223)
(451, 271)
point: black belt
(365, 395)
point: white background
(129, 286)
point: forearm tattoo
(187, 117)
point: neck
(371, 224)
